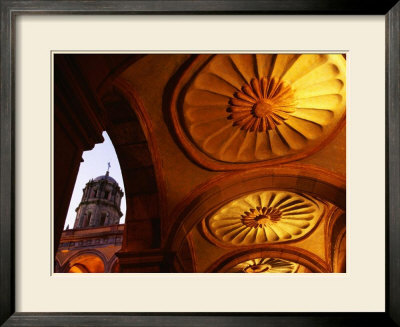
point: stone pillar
(76, 129)
(149, 261)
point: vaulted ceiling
(231, 162)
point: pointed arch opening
(95, 164)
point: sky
(95, 164)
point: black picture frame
(11, 9)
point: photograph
(174, 156)
(199, 162)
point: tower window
(106, 194)
(102, 219)
(86, 220)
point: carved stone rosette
(265, 265)
(231, 110)
(264, 217)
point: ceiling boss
(262, 105)
(264, 217)
(265, 265)
(259, 109)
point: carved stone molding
(264, 217)
(210, 196)
(235, 111)
(265, 265)
(286, 252)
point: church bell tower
(100, 204)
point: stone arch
(83, 109)
(57, 266)
(131, 133)
(335, 233)
(185, 259)
(290, 253)
(79, 259)
(339, 253)
(224, 188)
(113, 264)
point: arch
(335, 231)
(224, 188)
(185, 259)
(78, 268)
(131, 133)
(339, 253)
(113, 264)
(78, 118)
(290, 253)
(145, 122)
(57, 266)
(83, 260)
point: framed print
(177, 163)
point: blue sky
(95, 164)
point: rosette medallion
(264, 217)
(260, 108)
(265, 265)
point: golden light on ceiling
(265, 265)
(78, 269)
(87, 263)
(262, 105)
(263, 217)
(252, 108)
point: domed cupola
(100, 204)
